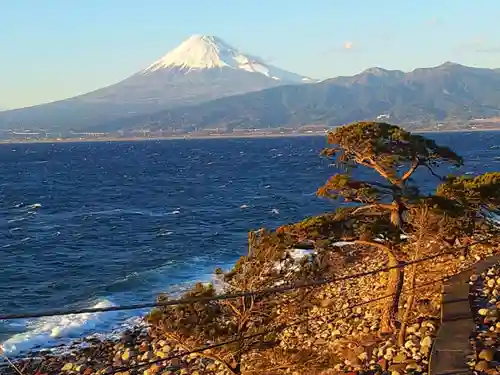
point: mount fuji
(201, 52)
(200, 69)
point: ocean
(110, 223)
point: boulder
(487, 354)
(481, 366)
(67, 367)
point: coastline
(140, 350)
(136, 346)
(218, 136)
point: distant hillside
(201, 68)
(447, 92)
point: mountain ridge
(446, 92)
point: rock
(396, 369)
(147, 356)
(144, 347)
(127, 337)
(161, 343)
(154, 369)
(492, 313)
(399, 358)
(411, 365)
(336, 333)
(426, 341)
(383, 364)
(320, 341)
(481, 366)
(175, 362)
(162, 355)
(429, 324)
(487, 354)
(363, 357)
(491, 283)
(211, 367)
(128, 355)
(409, 344)
(388, 356)
(67, 367)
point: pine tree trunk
(394, 287)
(396, 215)
(409, 306)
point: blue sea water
(97, 224)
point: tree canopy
(383, 209)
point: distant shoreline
(220, 136)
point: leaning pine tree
(380, 213)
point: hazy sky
(54, 49)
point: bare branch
(432, 172)
(410, 171)
(370, 206)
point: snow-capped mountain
(201, 68)
(207, 52)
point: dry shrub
(268, 264)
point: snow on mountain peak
(208, 52)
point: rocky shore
(136, 352)
(485, 294)
(350, 336)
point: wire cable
(186, 301)
(228, 342)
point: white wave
(219, 284)
(275, 211)
(244, 206)
(493, 217)
(175, 212)
(35, 206)
(16, 219)
(50, 331)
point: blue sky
(54, 49)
